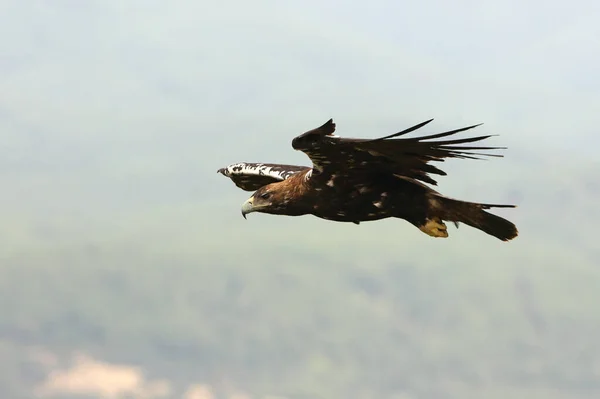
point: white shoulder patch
(308, 175)
(274, 171)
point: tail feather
(474, 215)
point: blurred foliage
(277, 323)
(311, 309)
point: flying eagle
(358, 180)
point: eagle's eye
(265, 195)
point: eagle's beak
(247, 207)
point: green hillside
(304, 308)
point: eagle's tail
(474, 215)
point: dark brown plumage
(356, 180)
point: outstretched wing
(252, 176)
(406, 157)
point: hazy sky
(108, 106)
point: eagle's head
(275, 198)
(265, 200)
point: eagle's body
(356, 180)
(343, 197)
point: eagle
(357, 180)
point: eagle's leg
(434, 227)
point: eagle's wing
(252, 176)
(405, 157)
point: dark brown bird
(357, 180)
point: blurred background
(127, 271)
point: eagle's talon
(435, 228)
